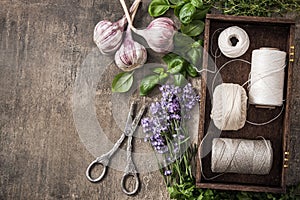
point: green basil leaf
(163, 76)
(169, 57)
(175, 2)
(158, 7)
(182, 43)
(179, 80)
(191, 71)
(177, 8)
(201, 13)
(186, 13)
(184, 74)
(194, 28)
(122, 82)
(197, 3)
(148, 83)
(194, 56)
(182, 40)
(159, 70)
(176, 65)
(197, 44)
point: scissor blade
(129, 118)
(137, 118)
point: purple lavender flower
(176, 117)
(147, 125)
(163, 124)
(155, 108)
(181, 137)
(158, 143)
(189, 98)
(173, 106)
(176, 150)
(167, 172)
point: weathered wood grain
(42, 46)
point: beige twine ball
(229, 106)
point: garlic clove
(159, 34)
(131, 54)
(108, 36)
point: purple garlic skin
(108, 36)
(131, 54)
(159, 34)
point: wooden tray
(262, 32)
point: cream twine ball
(229, 106)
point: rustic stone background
(42, 46)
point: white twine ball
(226, 45)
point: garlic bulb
(159, 34)
(131, 54)
(108, 36)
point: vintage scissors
(104, 159)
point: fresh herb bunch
(190, 13)
(187, 52)
(165, 129)
(262, 8)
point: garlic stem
(127, 14)
(134, 9)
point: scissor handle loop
(123, 181)
(89, 169)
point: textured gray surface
(42, 46)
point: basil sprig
(190, 13)
(149, 82)
(188, 51)
(194, 28)
(122, 82)
(158, 7)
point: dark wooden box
(262, 32)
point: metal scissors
(104, 159)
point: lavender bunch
(166, 131)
